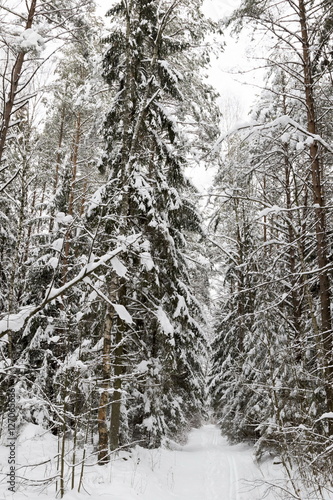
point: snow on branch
(326, 415)
(120, 310)
(283, 120)
(14, 322)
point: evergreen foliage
(107, 265)
(272, 384)
(119, 355)
(146, 191)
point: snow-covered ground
(206, 468)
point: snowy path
(206, 468)
(210, 469)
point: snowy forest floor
(206, 468)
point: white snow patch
(147, 261)
(310, 141)
(15, 322)
(148, 423)
(58, 244)
(285, 138)
(61, 218)
(54, 339)
(145, 245)
(30, 432)
(30, 40)
(181, 306)
(123, 313)
(142, 367)
(326, 415)
(53, 262)
(164, 321)
(78, 315)
(274, 209)
(95, 201)
(118, 267)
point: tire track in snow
(216, 471)
(208, 443)
(233, 478)
(211, 472)
(208, 468)
(220, 471)
(213, 467)
(220, 474)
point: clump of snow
(147, 261)
(95, 201)
(118, 267)
(142, 367)
(149, 423)
(145, 246)
(203, 261)
(283, 120)
(61, 218)
(53, 262)
(30, 40)
(15, 322)
(58, 244)
(309, 141)
(285, 138)
(181, 306)
(164, 321)
(123, 313)
(326, 415)
(78, 316)
(54, 339)
(274, 209)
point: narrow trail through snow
(206, 468)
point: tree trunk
(60, 141)
(68, 236)
(103, 441)
(318, 200)
(116, 396)
(13, 86)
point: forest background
(110, 257)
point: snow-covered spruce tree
(238, 363)
(295, 390)
(152, 133)
(304, 49)
(276, 376)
